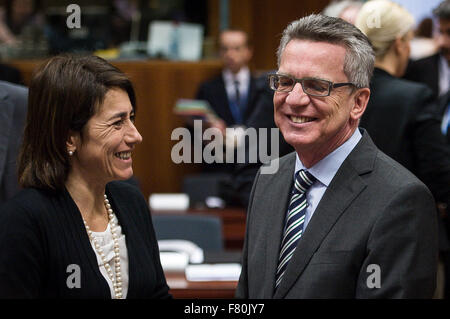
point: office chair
(203, 185)
(203, 230)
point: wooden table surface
(181, 288)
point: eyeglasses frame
(331, 85)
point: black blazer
(10, 74)
(425, 70)
(215, 93)
(13, 111)
(41, 234)
(395, 108)
(401, 119)
(444, 100)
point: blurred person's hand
(215, 122)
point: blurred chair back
(200, 186)
(203, 230)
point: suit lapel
(282, 182)
(6, 119)
(342, 191)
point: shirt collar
(242, 76)
(326, 168)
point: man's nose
(297, 96)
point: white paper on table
(213, 272)
(174, 261)
(166, 201)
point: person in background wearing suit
(400, 115)
(13, 110)
(355, 223)
(231, 94)
(434, 70)
(234, 93)
(237, 190)
(76, 230)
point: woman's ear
(398, 45)
(72, 142)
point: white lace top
(105, 241)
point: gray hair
(443, 10)
(359, 58)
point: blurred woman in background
(401, 115)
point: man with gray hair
(339, 219)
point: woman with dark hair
(75, 231)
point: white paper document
(213, 272)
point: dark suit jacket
(441, 108)
(215, 93)
(13, 109)
(425, 70)
(10, 74)
(374, 212)
(403, 123)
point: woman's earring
(70, 153)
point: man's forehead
(233, 35)
(314, 50)
(321, 59)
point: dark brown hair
(65, 92)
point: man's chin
(298, 142)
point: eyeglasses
(311, 86)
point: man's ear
(360, 100)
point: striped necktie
(294, 221)
(237, 93)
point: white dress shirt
(324, 172)
(105, 240)
(243, 77)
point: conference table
(181, 288)
(233, 223)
